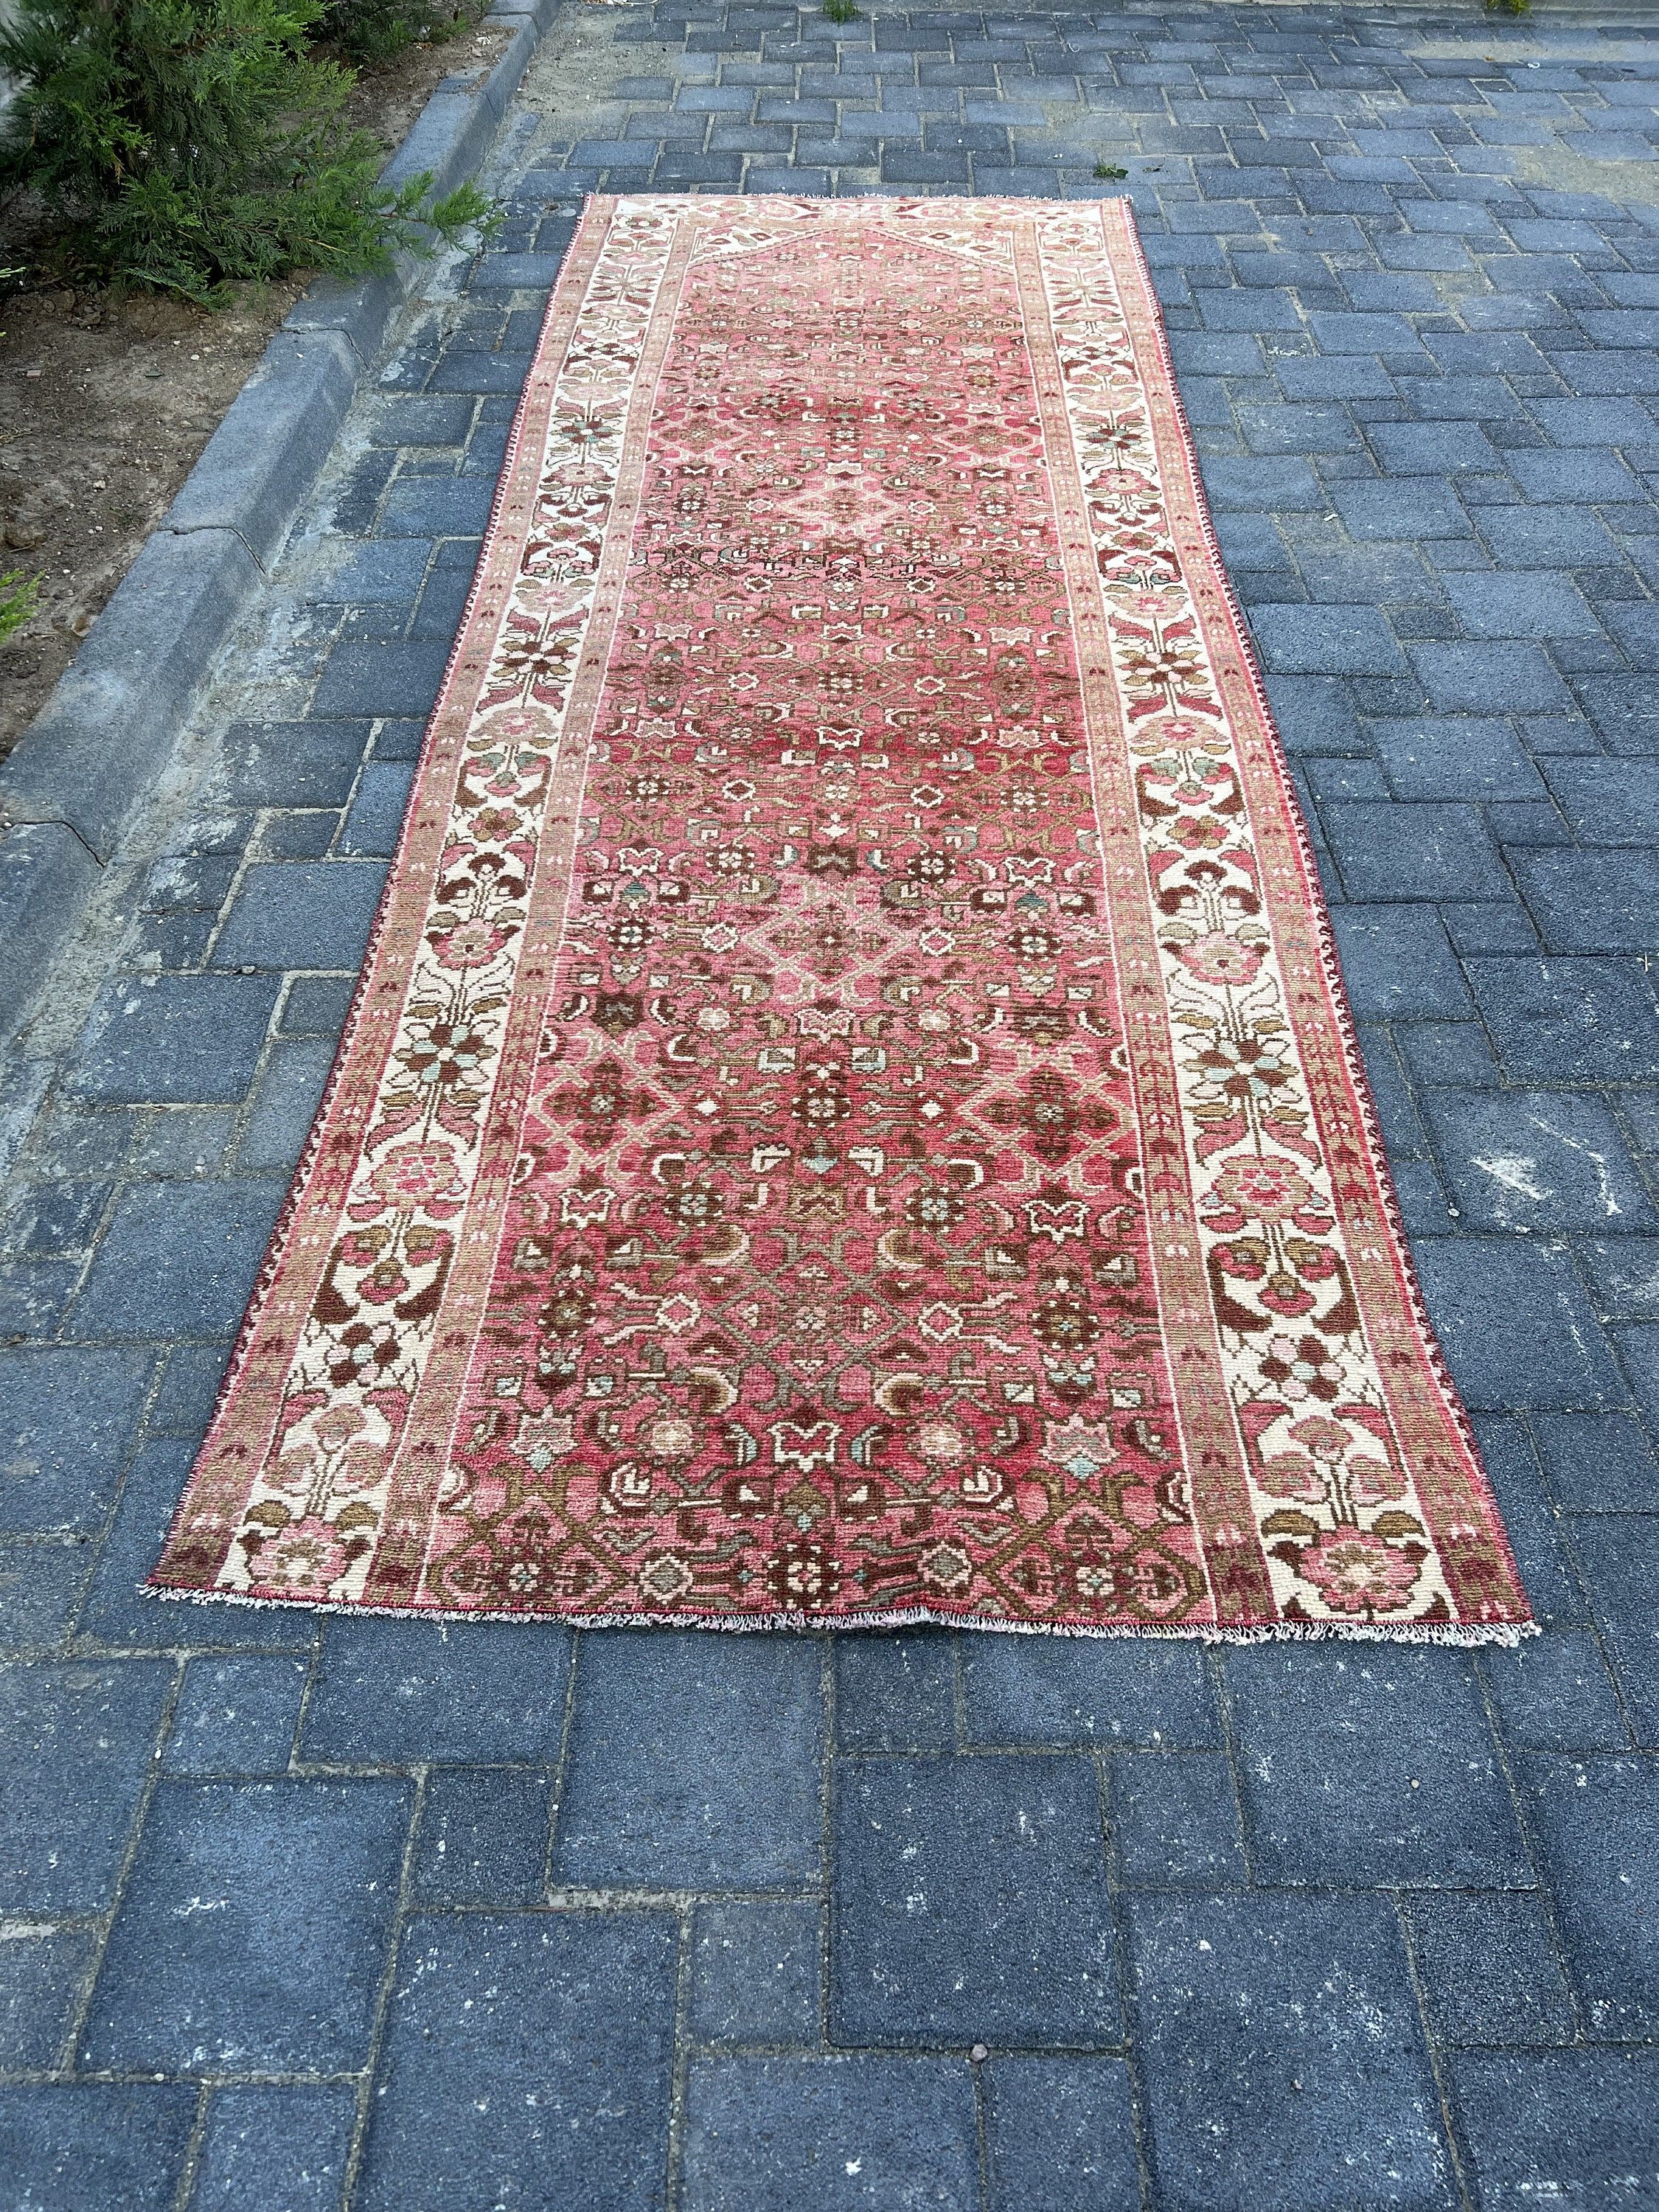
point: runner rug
(851, 1115)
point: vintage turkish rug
(851, 1116)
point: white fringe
(1466, 1634)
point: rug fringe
(1468, 1635)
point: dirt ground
(105, 404)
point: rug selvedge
(849, 1116)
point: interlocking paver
(830, 2135)
(1584, 2122)
(81, 1742)
(1060, 2132)
(253, 1931)
(1283, 2044)
(527, 2061)
(1597, 1821)
(1490, 1968)
(695, 1762)
(970, 1904)
(95, 2147)
(756, 1973)
(1429, 1805)
(391, 1692)
(273, 2148)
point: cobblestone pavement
(503, 1918)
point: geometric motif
(851, 1115)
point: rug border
(598, 210)
(1324, 930)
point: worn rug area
(851, 1116)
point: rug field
(850, 1116)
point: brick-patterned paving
(298, 1914)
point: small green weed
(841, 11)
(1110, 172)
(20, 597)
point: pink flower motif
(306, 1560)
(1262, 1189)
(467, 944)
(1357, 1572)
(414, 1177)
(1292, 1475)
(1220, 959)
(1374, 1482)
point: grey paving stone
(1084, 1691)
(66, 1425)
(286, 1105)
(1061, 2133)
(42, 1579)
(1597, 1823)
(290, 763)
(1280, 2046)
(390, 1692)
(271, 2149)
(1516, 1326)
(757, 1974)
(1567, 2124)
(1397, 962)
(1173, 1821)
(1592, 902)
(1608, 802)
(970, 1904)
(95, 2147)
(1617, 1555)
(897, 1693)
(174, 1038)
(1403, 506)
(1574, 1021)
(483, 1837)
(82, 1741)
(1389, 850)
(1599, 1462)
(236, 1715)
(1349, 640)
(1552, 1692)
(177, 1259)
(301, 914)
(1536, 1160)
(527, 2061)
(1442, 756)
(830, 2135)
(214, 1966)
(41, 1969)
(1483, 677)
(693, 1762)
(1489, 1968)
(1377, 1770)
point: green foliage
(841, 11)
(178, 144)
(1508, 7)
(373, 30)
(1110, 170)
(20, 596)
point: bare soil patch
(106, 401)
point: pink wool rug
(851, 1115)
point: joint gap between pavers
(561, 1766)
(1128, 2011)
(192, 2158)
(679, 2075)
(100, 1946)
(1447, 2127)
(1541, 1888)
(1221, 1689)
(365, 2082)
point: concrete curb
(82, 769)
